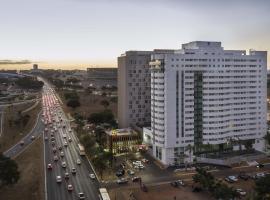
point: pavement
(18, 148)
(81, 181)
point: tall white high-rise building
(203, 95)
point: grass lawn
(13, 134)
(31, 183)
(90, 103)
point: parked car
(144, 188)
(231, 179)
(136, 179)
(122, 181)
(120, 172)
(241, 192)
(130, 172)
(259, 175)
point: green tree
(100, 165)
(9, 173)
(73, 103)
(262, 188)
(104, 103)
(222, 191)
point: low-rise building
(123, 140)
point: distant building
(99, 77)
(35, 66)
(122, 140)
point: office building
(134, 89)
(203, 95)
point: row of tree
(29, 83)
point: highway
(57, 125)
(18, 148)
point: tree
(222, 191)
(262, 186)
(190, 149)
(73, 103)
(105, 103)
(9, 173)
(100, 164)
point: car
(259, 175)
(60, 147)
(58, 179)
(33, 137)
(228, 180)
(52, 139)
(65, 144)
(69, 139)
(122, 181)
(64, 136)
(69, 130)
(45, 138)
(79, 161)
(66, 175)
(62, 154)
(260, 165)
(120, 172)
(22, 143)
(81, 195)
(144, 188)
(69, 187)
(73, 170)
(92, 176)
(136, 179)
(53, 143)
(54, 150)
(130, 172)
(232, 178)
(241, 192)
(145, 160)
(55, 158)
(141, 166)
(49, 166)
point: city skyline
(79, 34)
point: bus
(81, 150)
(104, 194)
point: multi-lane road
(56, 133)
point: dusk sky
(84, 33)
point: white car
(241, 192)
(69, 139)
(92, 176)
(62, 154)
(65, 144)
(64, 165)
(79, 161)
(70, 187)
(64, 136)
(81, 195)
(58, 179)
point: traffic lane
(18, 148)
(82, 170)
(56, 190)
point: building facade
(134, 89)
(203, 95)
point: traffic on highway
(69, 174)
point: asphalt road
(81, 181)
(18, 148)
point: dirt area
(31, 183)
(161, 192)
(14, 133)
(90, 103)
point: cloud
(14, 62)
